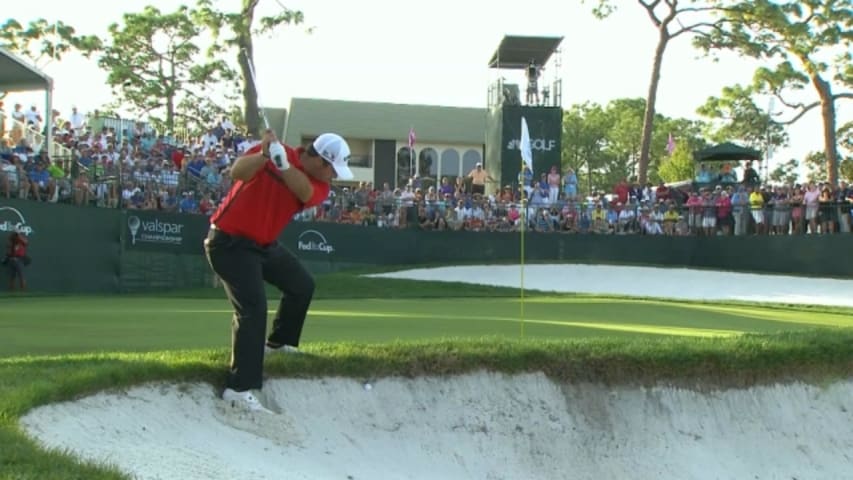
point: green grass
(57, 325)
(56, 348)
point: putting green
(55, 325)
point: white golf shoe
(285, 349)
(244, 401)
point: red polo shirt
(261, 207)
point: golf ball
(368, 386)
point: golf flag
(670, 144)
(412, 137)
(524, 145)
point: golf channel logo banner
(314, 241)
(12, 220)
(545, 126)
(145, 228)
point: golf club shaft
(254, 80)
(278, 160)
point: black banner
(545, 127)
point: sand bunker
(679, 283)
(477, 426)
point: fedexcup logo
(313, 241)
(154, 231)
(12, 220)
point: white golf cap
(335, 150)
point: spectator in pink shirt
(553, 185)
(810, 200)
(513, 215)
(694, 215)
(724, 210)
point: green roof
(386, 121)
(726, 152)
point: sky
(436, 53)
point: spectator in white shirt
(626, 218)
(34, 118)
(226, 124)
(209, 141)
(78, 121)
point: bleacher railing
(36, 140)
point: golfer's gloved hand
(278, 156)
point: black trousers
(244, 266)
(16, 267)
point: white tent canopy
(17, 75)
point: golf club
(254, 79)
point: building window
(405, 167)
(363, 161)
(428, 162)
(361, 152)
(470, 160)
(449, 165)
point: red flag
(670, 144)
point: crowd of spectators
(134, 168)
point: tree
(668, 19)
(154, 66)
(625, 134)
(584, 132)
(689, 134)
(601, 144)
(743, 120)
(42, 40)
(239, 29)
(846, 169)
(786, 173)
(815, 163)
(810, 41)
(679, 166)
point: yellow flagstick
(523, 217)
(526, 159)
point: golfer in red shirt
(272, 183)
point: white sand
(678, 283)
(484, 426)
(479, 426)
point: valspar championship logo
(12, 220)
(313, 241)
(154, 231)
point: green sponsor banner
(334, 243)
(73, 249)
(164, 232)
(81, 249)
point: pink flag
(670, 144)
(412, 137)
